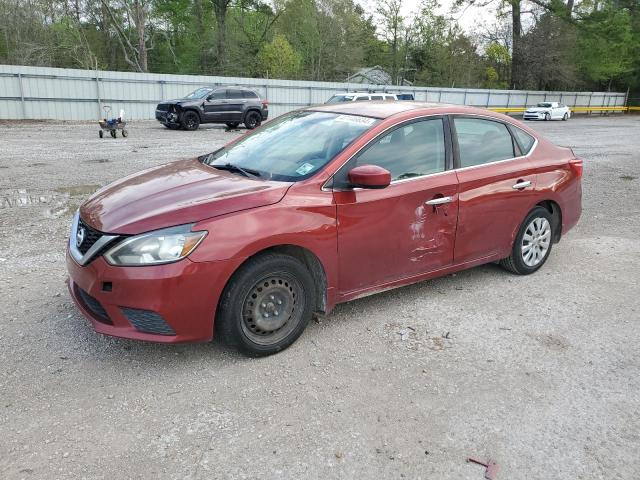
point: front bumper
(167, 118)
(171, 303)
(533, 116)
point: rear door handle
(521, 185)
(439, 201)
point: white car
(360, 96)
(547, 111)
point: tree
(277, 59)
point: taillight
(265, 103)
(576, 166)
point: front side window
(292, 147)
(340, 98)
(362, 98)
(376, 97)
(413, 150)
(525, 140)
(482, 141)
(218, 95)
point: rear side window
(360, 99)
(376, 97)
(410, 151)
(249, 94)
(525, 140)
(234, 93)
(482, 141)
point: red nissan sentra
(318, 207)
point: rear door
(234, 105)
(407, 228)
(496, 187)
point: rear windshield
(292, 147)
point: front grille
(147, 321)
(94, 306)
(163, 107)
(91, 236)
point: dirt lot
(540, 373)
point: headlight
(153, 248)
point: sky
(467, 19)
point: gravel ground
(540, 373)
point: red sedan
(318, 207)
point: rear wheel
(252, 120)
(113, 133)
(190, 120)
(533, 243)
(100, 133)
(266, 305)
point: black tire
(125, 133)
(252, 120)
(547, 116)
(233, 125)
(515, 262)
(113, 133)
(565, 117)
(247, 316)
(101, 133)
(190, 120)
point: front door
(215, 106)
(408, 228)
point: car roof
(387, 109)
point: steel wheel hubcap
(272, 309)
(536, 241)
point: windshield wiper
(235, 168)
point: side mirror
(369, 176)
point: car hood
(538, 109)
(173, 194)
(183, 102)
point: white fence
(67, 94)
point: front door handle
(439, 201)
(521, 185)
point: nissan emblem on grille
(80, 236)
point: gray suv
(230, 105)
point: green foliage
(278, 59)
(606, 45)
(595, 46)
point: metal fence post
(526, 99)
(310, 96)
(161, 82)
(488, 98)
(589, 104)
(98, 95)
(24, 111)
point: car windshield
(545, 104)
(200, 93)
(292, 147)
(340, 98)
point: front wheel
(190, 120)
(565, 117)
(532, 245)
(547, 116)
(266, 305)
(252, 120)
